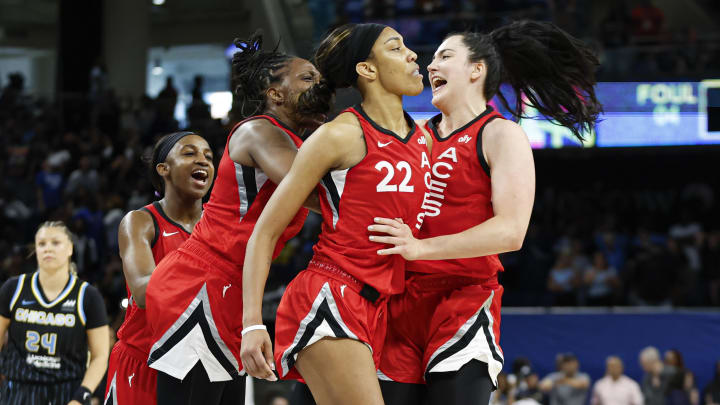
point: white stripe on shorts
(479, 344)
(315, 326)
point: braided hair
(253, 71)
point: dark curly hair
(253, 71)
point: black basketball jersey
(47, 340)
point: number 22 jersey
(388, 182)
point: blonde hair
(60, 224)
(650, 353)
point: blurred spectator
(168, 93)
(686, 232)
(681, 386)
(568, 386)
(615, 27)
(18, 194)
(520, 369)
(107, 113)
(711, 393)
(656, 376)
(164, 119)
(114, 212)
(98, 80)
(14, 263)
(324, 15)
(564, 280)
(648, 20)
(682, 389)
(49, 182)
(656, 277)
(528, 269)
(674, 361)
(711, 266)
(276, 398)
(198, 113)
(11, 93)
(601, 281)
(616, 388)
(85, 251)
(531, 388)
(613, 245)
(645, 64)
(85, 176)
(505, 392)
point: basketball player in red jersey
(194, 294)
(370, 161)
(445, 328)
(181, 168)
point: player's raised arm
(265, 146)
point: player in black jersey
(53, 319)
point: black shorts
(17, 393)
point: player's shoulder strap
(491, 115)
(18, 290)
(150, 209)
(80, 302)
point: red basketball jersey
(388, 182)
(169, 235)
(238, 197)
(459, 195)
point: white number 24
(385, 185)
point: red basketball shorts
(439, 324)
(193, 300)
(324, 301)
(129, 379)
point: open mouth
(438, 83)
(200, 176)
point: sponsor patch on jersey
(44, 361)
(69, 305)
(464, 139)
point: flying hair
(547, 68)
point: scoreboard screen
(635, 114)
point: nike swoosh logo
(25, 302)
(382, 145)
(170, 234)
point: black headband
(359, 44)
(168, 144)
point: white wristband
(252, 328)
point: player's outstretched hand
(399, 234)
(256, 355)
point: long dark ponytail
(553, 70)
